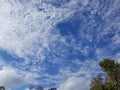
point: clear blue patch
(58, 3)
(8, 57)
(70, 27)
(51, 68)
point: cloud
(81, 70)
(116, 39)
(75, 83)
(11, 78)
(28, 30)
(29, 89)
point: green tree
(97, 83)
(108, 84)
(112, 79)
(112, 69)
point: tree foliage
(97, 83)
(112, 79)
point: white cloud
(10, 77)
(25, 31)
(85, 71)
(24, 28)
(75, 83)
(116, 39)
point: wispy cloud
(29, 30)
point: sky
(56, 43)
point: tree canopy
(111, 79)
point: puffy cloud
(75, 83)
(10, 77)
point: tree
(97, 83)
(112, 69)
(112, 79)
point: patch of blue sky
(9, 57)
(51, 68)
(70, 27)
(57, 3)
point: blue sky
(56, 43)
